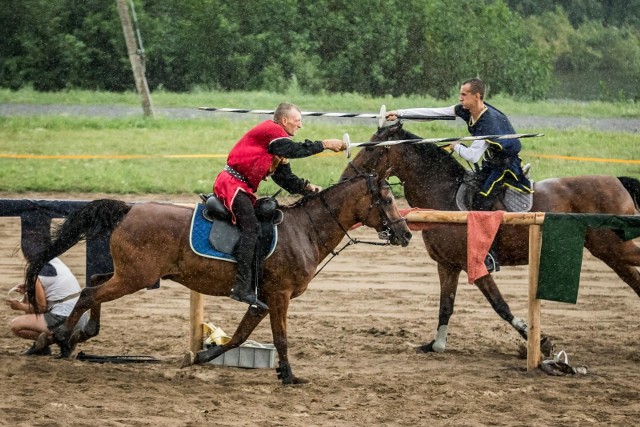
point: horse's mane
(311, 196)
(428, 153)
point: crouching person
(57, 291)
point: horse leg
(92, 328)
(490, 290)
(248, 323)
(619, 255)
(278, 308)
(448, 286)
(90, 298)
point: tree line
(587, 49)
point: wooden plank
(511, 218)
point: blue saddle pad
(199, 237)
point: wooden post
(196, 319)
(134, 58)
(533, 341)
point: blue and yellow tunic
(501, 164)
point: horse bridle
(377, 201)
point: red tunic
(250, 158)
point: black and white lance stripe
(322, 114)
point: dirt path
(352, 334)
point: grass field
(340, 102)
(137, 155)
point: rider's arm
(427, 112)
(285, 178)
(474, 152)
(285, 147)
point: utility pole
(135, 56)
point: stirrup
(491, 263)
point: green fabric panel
(560, 258)
(562, 248)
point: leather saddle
(224, 235)
(513, 200)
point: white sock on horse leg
(441, 339)
(519, 324)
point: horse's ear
(387, 173)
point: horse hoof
(297, 381)
(43, 341)
(63, 355)
(546, 346)
(428, 348)
(187, 359)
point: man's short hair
(477, 86)
(283, 110)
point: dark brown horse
(150, 241)
(431, 177)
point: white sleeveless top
(59, 286)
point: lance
(381, 116)
(350, 145)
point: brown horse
(431, 177)
(150, 241)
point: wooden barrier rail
(533, 220)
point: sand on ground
(352, 335)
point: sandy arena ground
(352, 334)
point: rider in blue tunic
(501, 163)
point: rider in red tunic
(262, 152)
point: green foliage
(468, 43)
(611, 54)
(594, 46)
(610, 13)
(327, 45)
(371, 47)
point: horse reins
(376, 201)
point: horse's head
(382, 212)
(383, 160)
(429, 174)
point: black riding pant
(249, 228)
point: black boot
(249, 230)
(244, 290)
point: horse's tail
(96, 219)
(632, 185)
